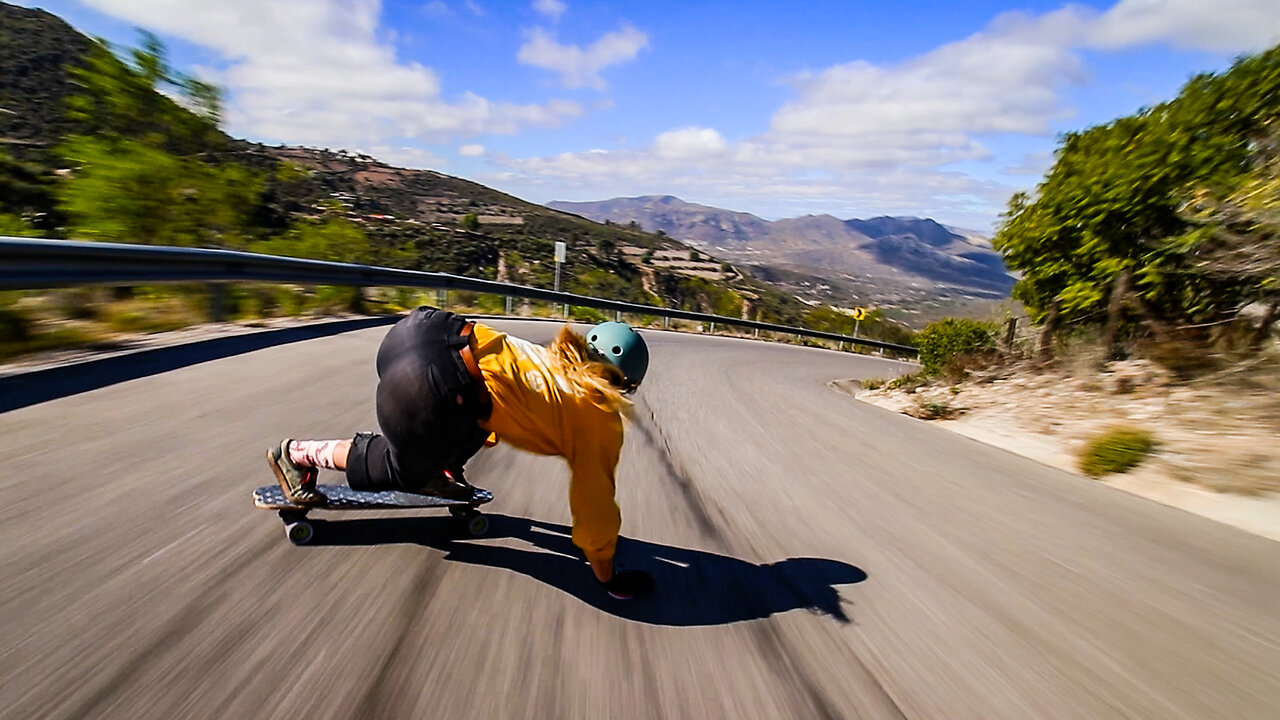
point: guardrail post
(841, 346)
(217, 301)
(618, 316)
(509, 303)
(713, 327)
(442, 298)
(666, 322)
(757, 332)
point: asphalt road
(816, 558)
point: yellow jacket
(536, 410)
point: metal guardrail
(27, 264)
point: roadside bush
(1117, 450)
(586, 314)
(908, 382)
(15, 326)
(952, 346)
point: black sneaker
(445, 486)
(297, 482)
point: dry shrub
(932, 410)
(1116, 450)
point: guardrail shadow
(32, 388)
(694, 587)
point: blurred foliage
(333, 239)
(129, 100)
(945, 342)
(1116, 450)
(26, 191)
(588, 315)
(15, 226)
(129, 191)
(1113, 203)
(1237, 238)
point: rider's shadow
(693, 587)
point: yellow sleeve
(596, 518)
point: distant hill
(888, 259)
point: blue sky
(856, 109)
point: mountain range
(887, 259)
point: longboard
(341, 497)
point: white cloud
(551, 8)
(471, 150)
(689, 144)
(405, 157)
(1219, 26)
(578, 67)
(930, 109)
(316, 72)
(860, 137)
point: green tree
(129, 100)
(471, 222)
(1110, 207)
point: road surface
(816, 558)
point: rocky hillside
(888, 259)
(35, 48)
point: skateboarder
(447, 387)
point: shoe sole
(284, 483)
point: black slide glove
(626, 584)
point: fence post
(442, 298)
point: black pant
(428, 407)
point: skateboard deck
(341, 497)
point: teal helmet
(617, 344)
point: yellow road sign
(859, 313)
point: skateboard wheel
(299, 533)
(477, 524)
(459, 511)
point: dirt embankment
(1216, 456)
